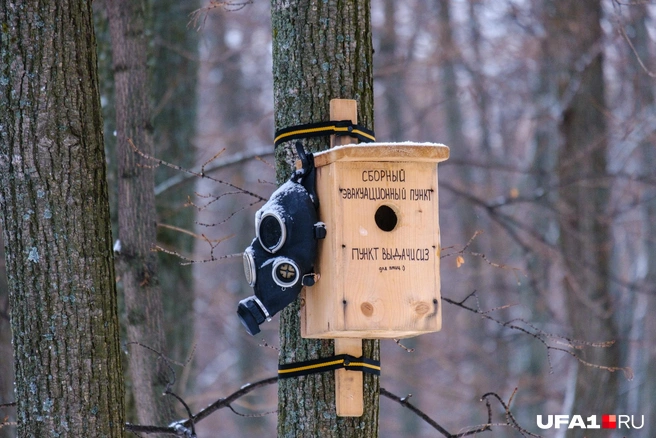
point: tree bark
(321, 50)
(55, 218)
(585, 242)
(7, 415)
(136, 262)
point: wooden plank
(343, 109)
(349, 398)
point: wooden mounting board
(349, 385)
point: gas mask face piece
(280, 259)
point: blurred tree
(575, 50)
(173, 87)
(390, 69)
(55, 218)
(321, 51)
(136, 262)
(642, 327)
(538, 287)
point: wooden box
(379, 263)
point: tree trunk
(392, 77)
(7, 415)
(55, 218)
(136, 262)
(174, 93)
(321, 51)
(583, 196)
(643, 305)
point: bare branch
(187, 261)
(543, 337)
(224, 402)
(198, 17)
(225, 162)
(267, 345)
(191, 233)
(398, 342)
(474, 430)
(186, 406)
(181, 428)
(8, 423)
(510, 419)
(262, 414)
(201, 174)
(406, 404)
(5, 422)
(460, 259)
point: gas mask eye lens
(249, 266)
(285, 272)
(271, 232)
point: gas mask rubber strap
(307, 175)
(262, 308)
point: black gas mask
(280, 260)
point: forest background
(497, 81)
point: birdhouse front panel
(379, 262)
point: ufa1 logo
(591, 422)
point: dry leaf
(460, 260)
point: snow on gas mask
(280, 260)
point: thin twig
(224, 402)
(510, 419)
(409, 350)
(197, 18)
(542, 336)
(262, 414)
(241, 157)
(633, 49)
(201, 174)
(406, 404)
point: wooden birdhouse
(379, 263)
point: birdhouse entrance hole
(386, 218)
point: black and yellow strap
(327, 364)
(310, 130)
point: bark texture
(55, 218)
(6, 350)
(136, 262)
(321, 50)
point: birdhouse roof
(401, 152)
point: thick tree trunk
(321, 51)
(55, 218)
(584, 187)
(136, 262)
